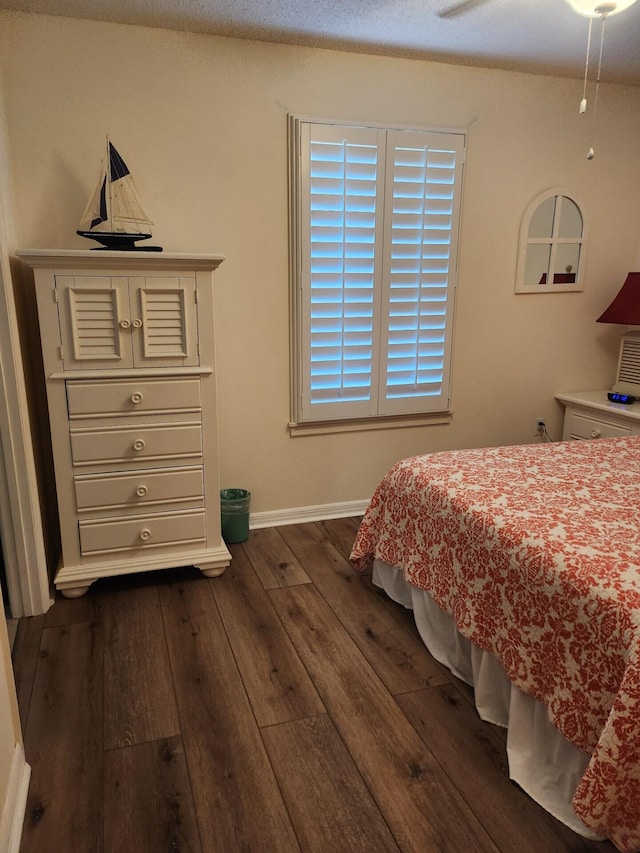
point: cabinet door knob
(596, 433)
(137, 323)
(141, 491)
(145, 534)
(137, 397)
(139, 444)
(125, 324)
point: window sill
(369, 424)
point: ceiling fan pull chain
(583, 102)
(590, 153)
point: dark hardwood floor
(287, 705)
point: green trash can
(234, 515)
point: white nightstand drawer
(104, 398)
(587, 426)
(186, 529)
(129, 444)
(138, 489)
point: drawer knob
(141, 491)
(137, 397)
(137, 324)
(145, 534)
(139, 444)
(596, 433)
(125, 324)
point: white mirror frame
(525, 241)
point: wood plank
(397, 655)
(406, 618)
(474, 754)
(66, 611)
(341, 532)
(422, 807)
(277, 683)
(148, 801)
(274, 563)
(139, 700)
(329, 804)
(237, 799)
(175, 582)
(64, 743)
(24, 657)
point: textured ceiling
(539, 36)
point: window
(553, 237)
(375, 217)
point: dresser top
(74, 259)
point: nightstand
(589, 414)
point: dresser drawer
(581, 426)
(129, 444)
(186, 529)
(109, 398)
(138, 489)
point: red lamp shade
(625, 308)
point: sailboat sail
(96, 211)
(115, 209)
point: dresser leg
(212, 571)
(74, 591)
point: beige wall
(202, 122)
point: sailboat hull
(119, 241)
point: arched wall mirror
(553, 244)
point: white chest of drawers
(128, 352)
(589, 414)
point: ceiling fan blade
(461, 8)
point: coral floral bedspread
(535, 552)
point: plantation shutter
(342, 236)
(421, 219)
(375, 233)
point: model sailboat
(115, 216)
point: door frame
(21, 530)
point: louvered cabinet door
(127, 321)
(95, 326)
(164, 320)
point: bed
(522, 565)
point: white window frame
(432, 280)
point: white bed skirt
(541, 760)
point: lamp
(625, 310)
(596, 9)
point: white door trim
(21, 530)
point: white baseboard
(298, 515)
(14, 806)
